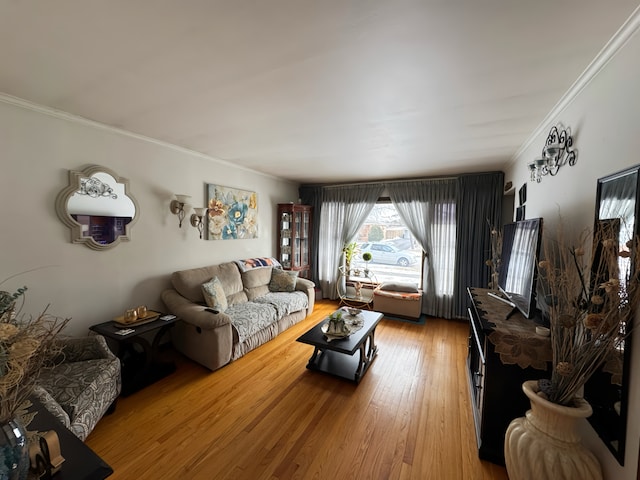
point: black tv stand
(496, 378)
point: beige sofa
(254, 314)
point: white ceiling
(311, 90)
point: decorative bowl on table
(336, 327)
(354, 311)
(333, 331)
(134, 320)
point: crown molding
(612, 47)
(70, 117)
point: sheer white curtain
(344, 210)
(428, 209)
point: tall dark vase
(14, 451)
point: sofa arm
(193, 313)
(308, 287)
(304, 284)
(45, 398)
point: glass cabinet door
(296, 230)
(285, 239)
(294, 237)
(304, 245)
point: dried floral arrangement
(27, 345)
(496, 250)
(590, 303)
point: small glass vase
(14, 451)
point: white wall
(37, 151)
(605, 120)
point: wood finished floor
(265, 416)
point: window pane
(396, 256)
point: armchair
(83, 386)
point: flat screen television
(518, 263)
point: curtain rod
(399, 180)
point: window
(395, 254)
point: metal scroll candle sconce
(95, 188)
(557, 152)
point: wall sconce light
(197, 219)
(555, 153)
(180, 207)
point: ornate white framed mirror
(98, 207)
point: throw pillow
(214, 295)
(283, 280)
(399, 287)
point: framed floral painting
(232, 213)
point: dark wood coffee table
(337, 357)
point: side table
(141, 366)
(351, 295)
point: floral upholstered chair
(81, 388)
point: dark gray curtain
(428, 209)
(312, 195)
(479, 208)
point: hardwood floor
(265, 416)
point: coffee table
(338, 357)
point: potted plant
(349, 250)
(366, 256)
(27, 345)
(337, 325)
(588, 321)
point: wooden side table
(140, 358)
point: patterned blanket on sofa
(285, 302)
(249, 318)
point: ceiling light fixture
(555, 153)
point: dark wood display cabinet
(294, 237)
(504, 352)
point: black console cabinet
(496, 387)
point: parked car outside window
(388, 254)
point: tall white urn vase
(545, 444)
